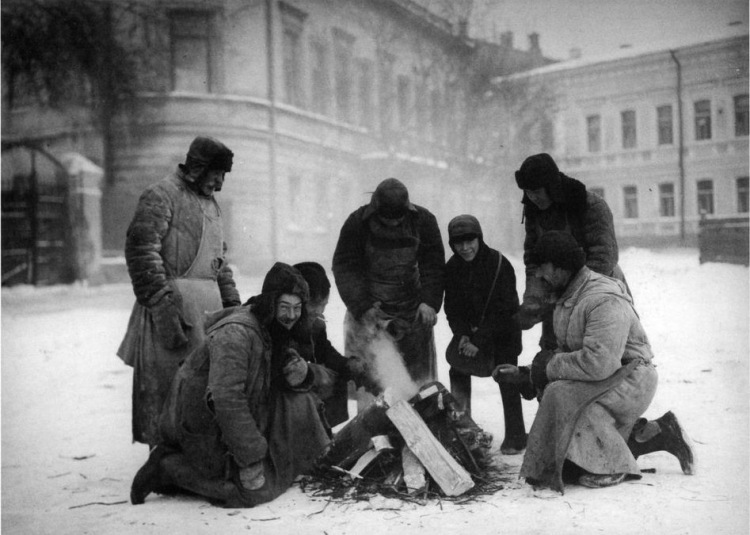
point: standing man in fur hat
(242, 418)
(598, 382)
(175, 255)
(389, 266)
(555, 201)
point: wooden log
(452, 478)
(364, 461)
(414, 474)
(354, 439)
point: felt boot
(150, 478)
(662, 434)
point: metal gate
(37, 245)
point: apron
(153, 365)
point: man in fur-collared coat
(242, 418)
(555, 201)
(175, 255)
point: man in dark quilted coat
(555, 201)
(175, 255)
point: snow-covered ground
(68, 460)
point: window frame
(743, 203)
(741, 115)
(702, 119)
(704, 194)
(179, 31)
(630, 202)
(667, 199)
(594, 133)
(629, 129)
(665, 124)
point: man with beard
(597, 383)
(242, 419)
(175, 255)
(389, 266)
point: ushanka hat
(560, 249)
(209, 153)
(538, 171)
(464, 227)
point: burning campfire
(410, 442)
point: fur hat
(316, 278)
(284, 279)
(209, 153)
(538, 171)
(391, 199)
(560, 249)
(463, 228)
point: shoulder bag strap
(492, 288)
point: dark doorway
(37, 245)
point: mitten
(295, 370)
(252, 477)
(168, 323)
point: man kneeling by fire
(239, 404)
(595, 386)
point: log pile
(410, 449)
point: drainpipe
(681, 145)
(271, 127)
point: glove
(168, 323)
(508, 373)
(295, 370)
(252, 477)
(359, 372)
(539, 369)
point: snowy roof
(621, 54)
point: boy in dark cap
(480, 301)
(554, 201)
(388, 266)
(598, 382)
(175, 252)
(242, 418)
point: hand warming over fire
(426, 314)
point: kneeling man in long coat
(596, 385)
(243, 419)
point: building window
(343, 44)
(320, 80)
(628, 129)
(190, 50)
(597, 191)
(664, 125)
(702, 119)
(364, 85)
(705, 196)
(547, 134)
(630, 196)
(404, 102)
(292, 67)
(740, 115)
(296, 200)
(594, 129)
(385, 91)
(742, 189)
(436, 112)
(666, 200)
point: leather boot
(670, 438)
(150, 478)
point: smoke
(388, 369)
(385, 365)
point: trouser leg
(512, 411)
(461, 389)
(183, 475)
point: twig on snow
(97, 503)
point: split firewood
(452, 478)
(414, 473)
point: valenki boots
(662, 434)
